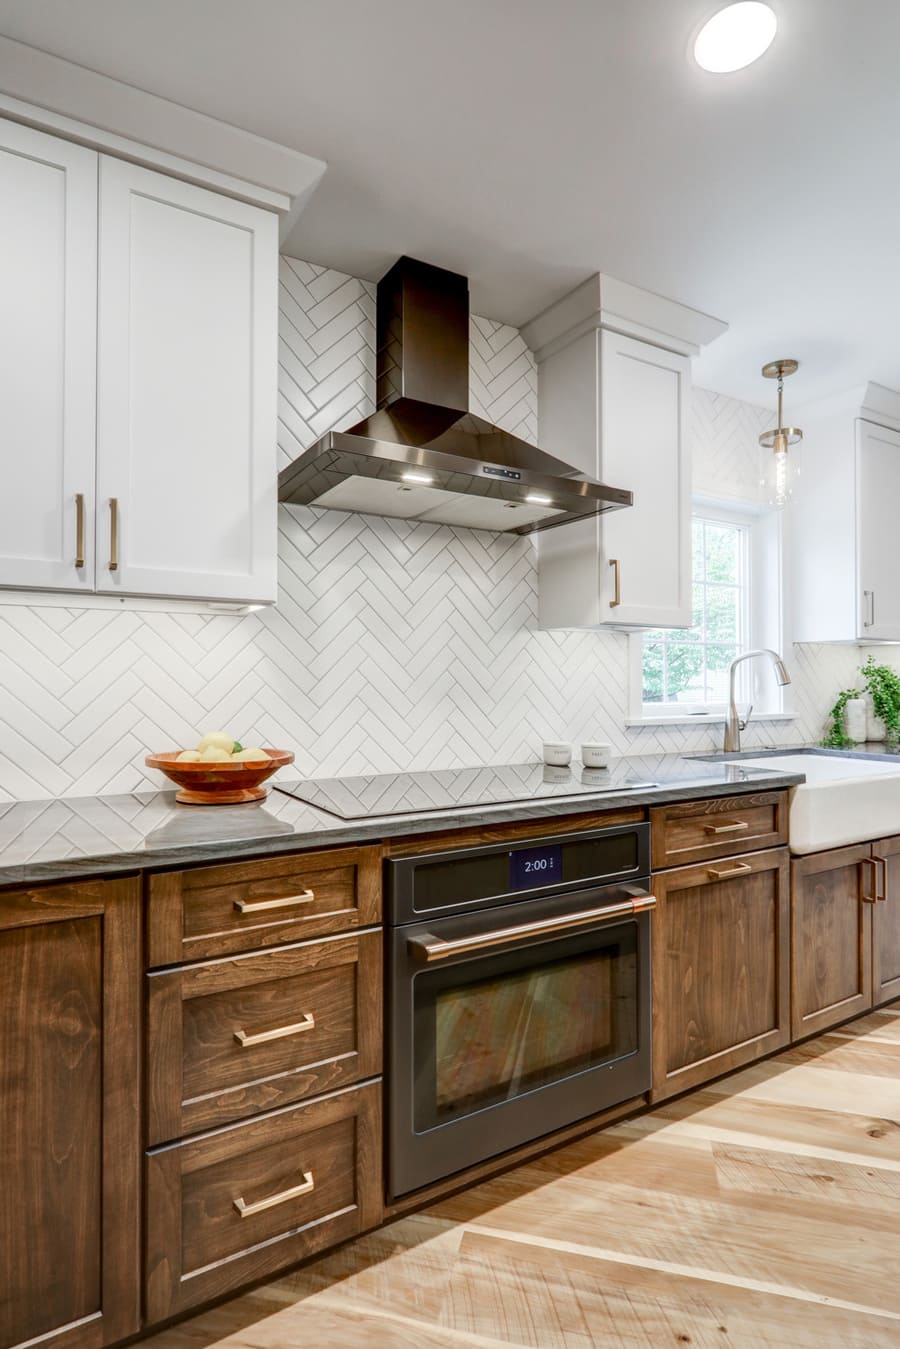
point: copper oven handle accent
(260, 905)
(617, 593)
(727, 828)
(870, 898)
(881, 890)
(113, 534)
(79, 529)
(259, 1205)
(264, 1036)
(430, 948)
(739, 869)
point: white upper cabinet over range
(138, 421)
(844, 519)
(614, 378)
(48, 306)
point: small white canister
(875, 727)
(855, 720)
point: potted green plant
(882, 684)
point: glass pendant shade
(781, 470)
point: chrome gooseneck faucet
(734, 725)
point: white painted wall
(393, 645)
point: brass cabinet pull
(260, 905)
(430, 948)
(79, 529)
(735, 828)
(869, 898)
(617, 593)
(262, 1037)
(259, 1205)
(881, 889)
(739, 869)
(113, 534)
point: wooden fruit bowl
(219, 784)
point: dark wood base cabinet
(70, 1114)
(721, 968)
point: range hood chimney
(423, 455)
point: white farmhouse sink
(842, 800)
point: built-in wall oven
(519, 994)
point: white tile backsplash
(393, 645)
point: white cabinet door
(878, 497)
(187, 364)
(48, 298)
(643, 443)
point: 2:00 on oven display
(533, 867)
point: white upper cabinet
(48, 248)
(186, 404)
(614, 385)
(844, 520)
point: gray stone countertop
(67, 838)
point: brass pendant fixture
(781, 438)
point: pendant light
(780, 471)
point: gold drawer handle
(617, 583)
(260, 905)
(262, 1037)
(739, 869)
(113, 534)
(79, 529)
(735, 828)
(260, 1205)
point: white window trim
(767, 621)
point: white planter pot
(875, 727)
(855, 720)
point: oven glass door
(496, 1028)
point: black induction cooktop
(453, 788)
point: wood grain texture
(684, 831)
(739, 1215)
(721, 962)
(831, 939)
(192, 914)
(416, 844)
(886, 926)
(198, 1245)
(200, 1075)
(70, 1113)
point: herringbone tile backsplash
(393, 645)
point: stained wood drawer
(695, 831)
(242, 906)
(230, 1038)
(239, 1204)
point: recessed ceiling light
(735, 37)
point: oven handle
(430, 949)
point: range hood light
(536, 499)
(425, 479)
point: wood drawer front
(319, 1162)
(208, 1060)
(693, 831)
(242, 906)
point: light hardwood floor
(763, 1210)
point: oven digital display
(530, 867)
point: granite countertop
(106, 835)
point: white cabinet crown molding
(82, 105)
(872, 402)
(605, 302)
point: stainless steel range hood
(423, 455)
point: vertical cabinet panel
(69, 1114)
(878, 491)
(886, 924)
(186, 390)
(48, 249)
(721, 967)
(831, 937)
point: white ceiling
(530, 144)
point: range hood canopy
(423, 455)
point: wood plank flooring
(763, 1210)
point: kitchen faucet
(734, 725)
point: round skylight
(735, 37)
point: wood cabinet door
(70, 1114)
(878, 489)
(186, 411)
(48, 270)
(721, 988)
(832, 894)
(886, 923)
